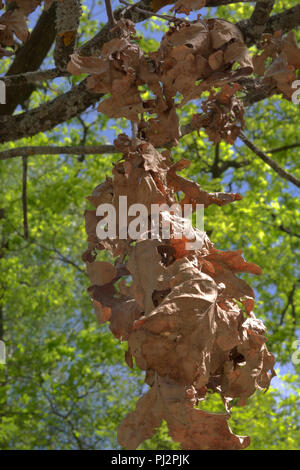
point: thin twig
(284, 229)
(24, 198)
(150, 13)
(280, 171)
(215, 166)
(290, 301)
(285, 147)
(22, 79)
(57, 150)
(61, 257)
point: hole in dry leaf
(167, 253)
(237, 358)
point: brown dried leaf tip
(188, 318)
(192, 58)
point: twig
(215, 166)
(68, 15)
(290, 301)
(61, 257)
(24, 198)
(150, 13)
(21, 79)
(82, 142)
(284, 229)
(56, 150)
(110, 15)
(285, 147)
(280, 171)
(261, 14)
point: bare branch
(29, 58)
(260, 17)
(285, 147)
(150, 13)
(94, 45)
(215, 165)
(290, 301)
(61, 257)
(110, 15)
(74, 102)
(285, 21)
(24, 197)
(280, 171)
(22, 79)
(288, 231)
(70, 105)
(68, 13)
(57, 150)
(217, 3)
(48, 115)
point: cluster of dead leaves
(13, 22)
(186, 315)
(284, 56)
(224, 114)
(186, 6)
(193, 57)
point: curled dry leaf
(193, 428)
(225, 115)
(192, 58)
(15, 24)
(187, 316)
(101, 273)
(28, 6)
(285, 64)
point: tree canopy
(65, 384)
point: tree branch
(150, 13)
(285, 21)
(284, 229)
(260, 17)
(77, 100)
(57, 150)
(24, 198)
(110, 15)
(72, 104)
(217, 3)
(61, 257)
(290, 301)
(68, 14)
(285, 147)
(22, 79)
(29, 58)
(47, 115)
(280, 171)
